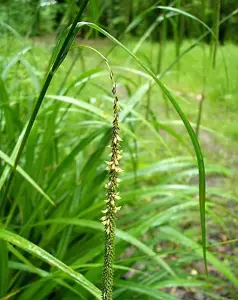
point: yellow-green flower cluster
(113, 168)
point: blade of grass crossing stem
(192, 134)
(50, 259)
(61, 54)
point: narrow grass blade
(84, 77)
(10, 162)
(13, 61)
(188, 15)
(7, 169)
(188, 283)
(82, 104)
(144, 290)
(11, 29)
(50, 259)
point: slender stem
(199, 118)
(134, 156)
(166, 104)
(216, 29)
(59, 59)
(148, 103)
(177, 38)
(163, 36)
(201, 102)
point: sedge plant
(113, 196)
(65, 164)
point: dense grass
(158, 253)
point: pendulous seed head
(109, 214)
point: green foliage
(56, 251)
(41, 17)
(33, 18)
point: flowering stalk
(111, 210)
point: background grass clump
(51, 237)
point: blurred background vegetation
(39, 17)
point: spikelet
(113, 165)
(109, 217)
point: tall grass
(57, 58)
(52, 251)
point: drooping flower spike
(109, 214)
